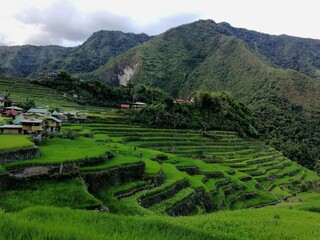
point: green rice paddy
(11, 142)
(230, 172)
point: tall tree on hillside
(7, 100)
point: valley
(205, 131)
(128, 171)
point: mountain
(300, 54)
(34, 61)
(21, 61)
(207, 55)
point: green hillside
(22, 89)
(142, 176)
(300, 54)
(206, 55)
(34, 61)
(210, 57)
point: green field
(12, 142)
(57, 223)
(185, 174)
(22, 89)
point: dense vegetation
(300, 54)
(183, 173)
(54, 223)
(291, 129)
(208, 111)
(97, 93)
(25, 93)
(31, 61)
(212, 57)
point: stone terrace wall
(20, 154)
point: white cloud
(70, 22)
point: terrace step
(152, 198)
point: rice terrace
(190, 134)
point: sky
(71, 22)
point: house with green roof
(39, 111)
(54, 124)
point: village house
(39, 111)
(32, 125)
(124, 106)
(179, 101)
(12, 111)
(70, 114)
(53, 124)
(138, 105)
(55, 114)
(59, 116)
(35, 120)
(11, 129)
(183, 101)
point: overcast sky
(70, 22)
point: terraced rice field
(199, 174)
(22, 89)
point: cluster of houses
(35, 120)
(136, 105)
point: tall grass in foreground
(50, 223)
(54, 223)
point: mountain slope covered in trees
(300, 54)
(206, 55)
(34, 61)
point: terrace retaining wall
(20, 154)
(189, 205)
(113, 176)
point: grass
(68, 193)
(58, 150)
(303, 201)
(12, 142)
(229, 159)
(260, 224)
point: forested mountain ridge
(35, 61)
(204, 54)
(208, 55)
(300, 54)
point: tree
(7, 100)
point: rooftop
(14, 108)
(54, 119)
(31, 120)
(37, 110)
(11, 126)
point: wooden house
(32, 125)
(55, 114)
(138, 105)
(62, 117)
(39, 111)
(70, 114)
(54, 124)
(34, 115)
(12, 111)
(11, 129)
(180, 101)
